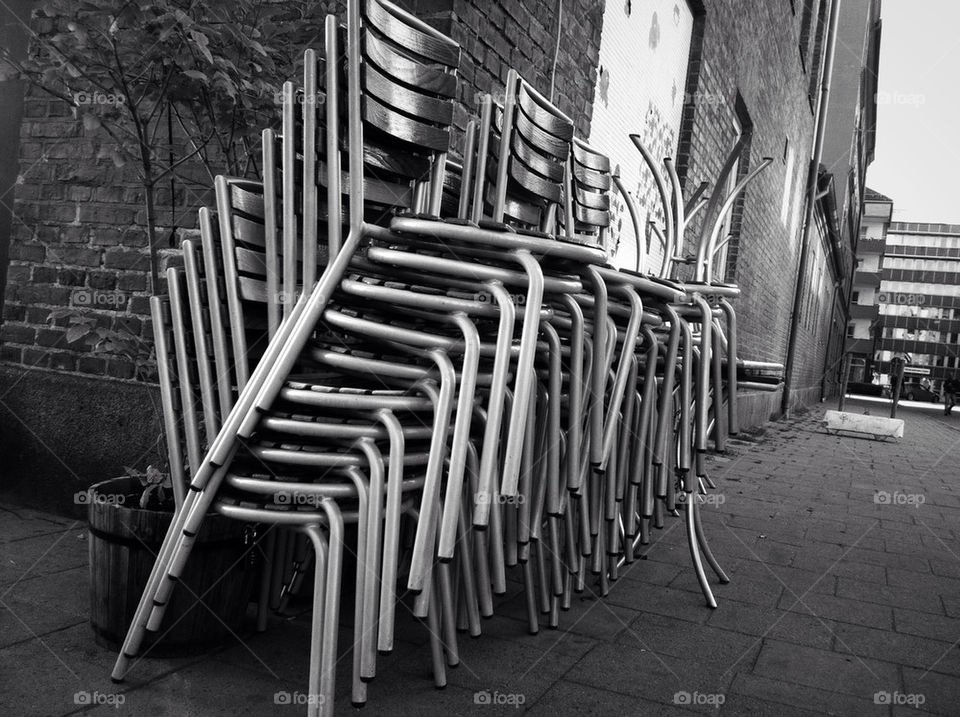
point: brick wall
(750, 48)
(78, 241)
(78, 237)
(500, 35)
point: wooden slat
(534, 183)
(590, 158)
(543, 117)
(247, 199)
(390, 24)
(540, 139)
(392, 160)
(393, 194)
(249, 232)
(538, 162)
(252, 289)
(591, 178)
(520, 211)
(251, 262)
(593, 217)
(591, 200)
(407, 70)
(405, 128)
(409, 101)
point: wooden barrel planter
(124, 541)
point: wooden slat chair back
(520, 181)
(586, 217)
(408, 79)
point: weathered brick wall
(78, 241)
(78, 238)
(751, 48)
(522, 34)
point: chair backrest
(402, 83)
(522, 156)
(198, 371)
(243, 276)
(186, 331)
(587, 205)
(171, 402)
(398, 100)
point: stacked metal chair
(462, 358)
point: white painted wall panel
(644, 51)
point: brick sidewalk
(843, 555)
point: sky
(918, 110)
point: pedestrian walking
(949, 395)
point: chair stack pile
(430, 342)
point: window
(818, 30)
(850, 329)
(790, 157)
(725, 258)
(806, 20)
(726, 232)
(855, 297)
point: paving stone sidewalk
(844, 555)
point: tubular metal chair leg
(196, 512)
(695, 552)
(461, 438)
(266, 568)
(495, 405)
(523, 386)
(629, 522)
(138, 626)
(556, 553)
(369, 526)
(331, 602)
(543, 581)
(529, 590)
(495, 544)
(362, 669)
(705, 546)
(448, 614)
(481, 557)
(467, 572)
(317, 696)
(510, 531)
(262, 387)
(572, 553)
(424, 543)
(436, 643)
(391, 532)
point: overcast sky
(918, 124)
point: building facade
(864, 328)
(821, 304)
(919, 302)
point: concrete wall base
(60, 433)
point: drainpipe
(812, 181)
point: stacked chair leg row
(430, 343)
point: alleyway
(844, 556)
